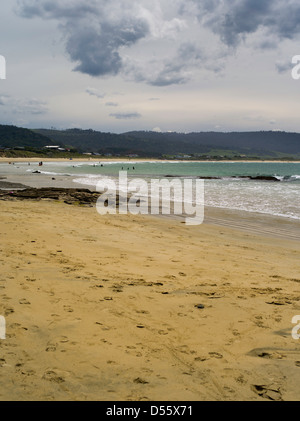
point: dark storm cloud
(94, 31)
(233, 20)
(55, 9)
(97, 48)
(243, 17)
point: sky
(162, 65)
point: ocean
(228, 185)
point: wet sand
(258, 223)
(144, 308)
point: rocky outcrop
(69, 196)
(246, 177)
(264, 178)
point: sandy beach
(150, 204)
(144, 308)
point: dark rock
(140, 381)
(70, 196)
(200, 306)
(208, 178)
(264, 178)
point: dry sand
(103, 308)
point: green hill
(12, 137)
(152, 144)
(263, 144)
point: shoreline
(246, 221)
(141, 160)
(270, 225)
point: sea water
(230, 190)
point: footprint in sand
(68, 309)
(30, 279)
(117, 288)
(63, 339)
(25, 372)
(268, 354)
(162, 332)
(271, 392)
(8, 310)
(24, 301)
(53, 345)
(17, 326)
(215, 355)
(272, 355)
(138, 380)
(52, 376)
(51, 348)
(201, 359)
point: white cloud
(126, 115)
(24, 105)
(95, 92)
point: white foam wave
(90, 180)
(277, 199)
